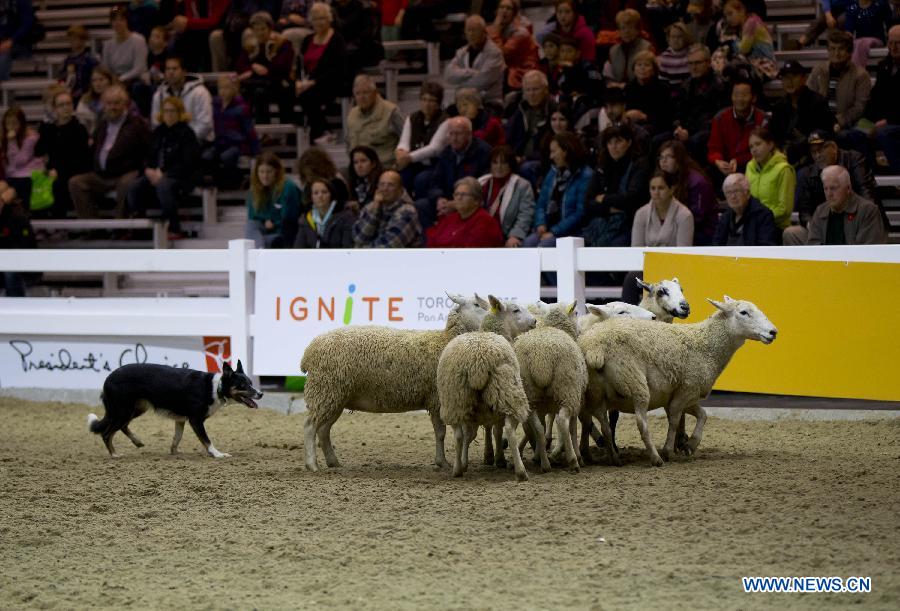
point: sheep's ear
(456, 298)
(598, 311)
(675, 280)
(571, 309)
(480, 301)
(535, 309)
(240, 368)
(644, 285)
(725, 307)
(728, 299)
(496, 304)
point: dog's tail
(95, 424)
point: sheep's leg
(537, 434)
(640, 414)
(681, 438)
(700, 414)
(521, 474)
(611, 451)
(674, 416)
(459, 437)
(489, 445)
(470, 432)
(573, 435)
(324, 435)
(548, 427)
(562, 423)
(500, 456)
(586, 427)
(309, 443)
(440, 432)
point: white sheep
(554, 377)
(381, 370)
(665, 299)
(634, 366)
(613, 309)
(479, 384)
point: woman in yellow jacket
(772, 178)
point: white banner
(80, 362)
(297, 298)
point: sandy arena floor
(152, 531)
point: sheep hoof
(656, 461)
(500, 463)
(334, 464)
(442, 465)
(546, 468)
(615, 460)
(690, 448)
(664, 453)
(313, 468)
(522, 477)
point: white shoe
(325, 139)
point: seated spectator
(170, 170)
(560, 206)
(293, 22)
(365, 169)
(15, 33)
(464, 155)
(620, 67)
(327, 224)
(508, 197)
(194, 95)
(511, 32)
(317, 163)
(424, 137)
(798, 113)
(479, 64)
(374, 121)
(691, 187)
(614, 113)
(79, 63)
(530, 123)
(233, 33)
(234, 134)
(18, 152)
(618, 188)
(390, 219)
(846, 86)
(659, 15)
(392, 12)
(549, 63)
(321, 70)
(358, 26)
(125, 54)
(883, 109)
(844, 218)
(63, 143)
(157, 53)
(664, 221)
(264, 69)
(746, 222)
(119, 148)
(569, 23)
(647, 98)
(485, 126)
(825, 152)
(772, 178)
(272, 203)
(15, 233)
(90, 106)
(580, 84)
(868, 21)
(753, 40)
(192, 28)
(419, 16)
(673, 62)
(830, 16)
(468, 224)
(560, 121)
(728, 149)
(700, 99)
(142, 15)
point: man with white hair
(844, 218)
(746, 221)
(479, 64)
(374, 121)
(530, 122)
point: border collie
(185, 395)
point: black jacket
(15, 227)
(699, 101)
(331, 68)
(759, 226)
(175, 151)
(809, 193)
(338, 231)
(653, 99)
(66, 147)
(884, 101)
(129, 151)
(624, 184)
(791, 126)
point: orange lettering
(393, 308)
(278, 308)
(323, 307)
(371, 301)
(298, 312)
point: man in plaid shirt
(390, 220)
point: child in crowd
(235, 134)
(580, 82)
(157, 53)
(549, 64)
(673, 65)
(79, 63)
(19, 159)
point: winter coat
(773, 184)
(197, 101)
(572, 205)
(175, 151)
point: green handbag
(41, 190)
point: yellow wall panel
(838, 326)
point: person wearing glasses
(390, 219)
(468, 225)
(746, 221)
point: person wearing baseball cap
(798, 113)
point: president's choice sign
(398, 288)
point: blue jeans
(889, 140)
(167, 192)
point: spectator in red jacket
(485, 126)
(728, 150)
(192, 27)
(512, 33)
(469, 225)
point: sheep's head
(560, 316)
(539, 308)
(508, 318)
(614, 309)
(746, 320)
(470, 311)
(666, 297)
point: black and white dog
(185, 395)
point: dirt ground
(153, 531)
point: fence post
(569, 279)
(240, 297)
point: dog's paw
(220, 455)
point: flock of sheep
(497, 365)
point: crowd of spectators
(622, 126)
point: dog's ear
(226, 369)
(240, 368)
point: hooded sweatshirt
(773, 185)
(197, 101)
